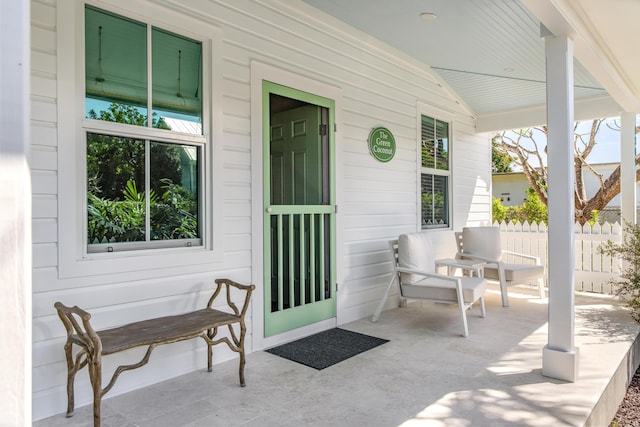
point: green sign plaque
(382, 144)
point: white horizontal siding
(43, 133)
(43, 109)
(45, 230)
(376, 201)
(43, 153)
(43, 158)
(472, 179)
(45, 206)
(44, 182)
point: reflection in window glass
(116, 61)
(115, 67)
(442, 145)
(174, 189)
(116, 207)
(177, 70)
(435, 143)
(428, 139)
(119, 190)
(435, 204)
(435, 176)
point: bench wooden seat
(92, 345)
(163, 330)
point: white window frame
(73, 258)
(443, 116)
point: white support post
(628, 168)
(15, 215)
(560, 357)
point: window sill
(148, 262)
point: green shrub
(115, 220)
(498, 210)
(532, 210)
(173, 216)
(628, 284)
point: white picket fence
(593, 270)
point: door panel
(296, 152)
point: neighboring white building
(509, 187)
(307, 125)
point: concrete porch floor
(427, 375)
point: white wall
(376, 201)
(510, 187)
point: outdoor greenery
(435, 143)
(628, 282)
(501, 161)
(117, 198)
(433, 208)
(532, 210)
(124, 220)
(435, 154)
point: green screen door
(299, 212)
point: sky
(607, 149)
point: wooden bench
(152, 333)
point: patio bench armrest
(525, 256)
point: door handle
(269, 209)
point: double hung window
(144, 136)
(435, 175)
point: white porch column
(15, 216)
(628, 168)
(560, 357)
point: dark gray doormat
(327, 348)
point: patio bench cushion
(484, 241)
(415, 253)
(473, 288)
(515, 272)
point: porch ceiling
(490, 53)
